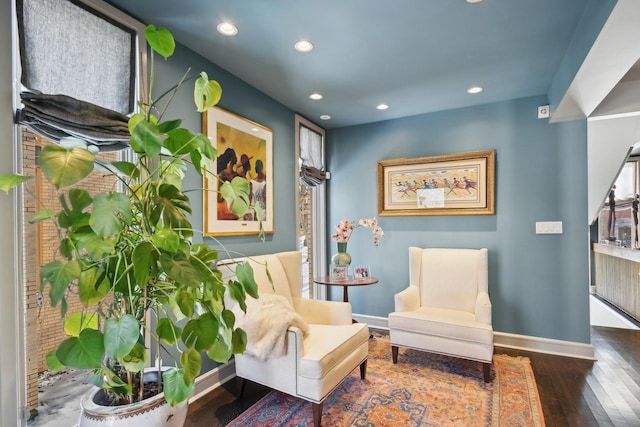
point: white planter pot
(154, 411)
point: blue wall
(240, 98)
(538, 283)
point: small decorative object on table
(339, 272)
(343, 234)
(361, 272)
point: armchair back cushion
(285, 270)
(451, 278)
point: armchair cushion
(327, 345)
(279, 283)
(450, 278)
(454, 324)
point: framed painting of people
(452, 184)
(245, 151)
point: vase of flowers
(342, 257)
(343, 233)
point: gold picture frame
(245, 149)
(452, 184)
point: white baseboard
(375, 322)
(505, 340)
(544, 345)
(213, 379)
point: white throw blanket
(266, 323)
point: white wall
(613, 53)
(10, 362)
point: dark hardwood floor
(573, 392)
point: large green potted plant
(128, 256)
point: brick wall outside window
(43, 323)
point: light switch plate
(549, 227)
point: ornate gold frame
(452, 184)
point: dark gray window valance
(57, 116)
(79, 71)
(312, 176)
(312, 171)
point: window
(44, 71)
(618, 219)
(627, 181)
(310, 204)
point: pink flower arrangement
(346, 227)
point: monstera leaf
(64, 167)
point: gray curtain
(79, 72)
(57, 116)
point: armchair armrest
(323, 312)
(295, 337)
(408, 299)
(483, 308)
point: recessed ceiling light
(227, 29)
(474, 1)
(325, 117)
(303, 46)
(315, 96)
(475, 89)
(382, 106)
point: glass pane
(305, 237)
(625, 183)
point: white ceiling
(418, 56)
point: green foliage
(64, 167)
(160, 40)
(8, 181)
(127, 253)
(207, 92)
(177, 386)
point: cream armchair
(446, 308)
(320, 348)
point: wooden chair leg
(243, 383)
(394, 353)
(317, 413)
(486, 372)
(363, 370)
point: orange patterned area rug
(423, 389)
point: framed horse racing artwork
(245, 150)
(451, 184)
